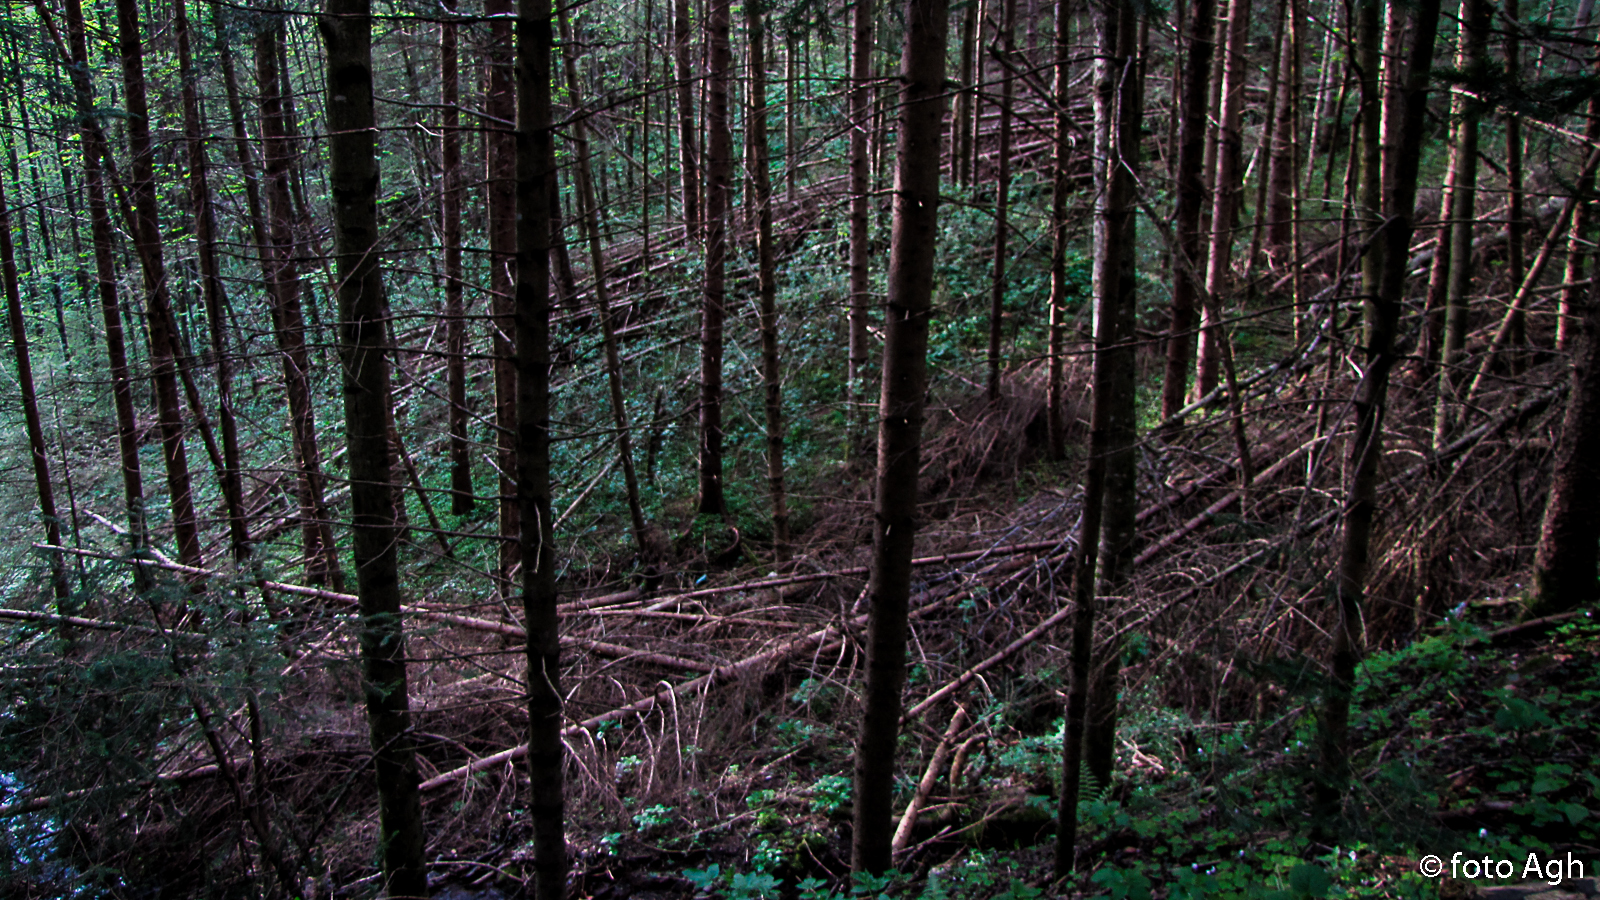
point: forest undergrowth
(711, 719)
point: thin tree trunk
(771, 375)
(30, 413)
(997, 292)
(714, 300)
(455, 341)
(535, 157)
(1115, 353)
(205, 226)
(905, 379)
(860, 219)
(1384, 284)
(1224, 197)
(500, 153)
(1055, 402)
(158, 310)
(1515, 224)
(967, 99)
(608, 330)
(688, 156)
(1280, 179)
(363, 314)
(321, 554)
(1191, 190)
(1116, 140)
(94, 150)
(1463, 198)
(1571, 301)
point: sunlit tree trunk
(363, 313)
(905, 380)
(1225, 195)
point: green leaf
(1309, 880)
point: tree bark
(1191, 190)
(205, 226)
(455, 341)
(860, 219)
(1055, 402)
(1463, 201)
(288, 324)
(1226, 187)
(997, 289)
(535, 160)
(771, 374)
(1116, 148)
(94, 150)
(905, 379)
(363, 313)
(688, 156)
(500, 153)
(1383, 284)
(158, 309)
(967, 99)
(714, 298)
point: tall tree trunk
(967, 100)
(860, 219)
(535, 158)
(1102, 524)
(30, 412)
(1383, 284)
(771, 375)
(94, 150)
(1515, 217)
(205, 227)
(688, 156)
(1463, 199)
(288, 324)
(602, 300)
(500, 151)
(363, 313)
(158, 308)
(1191, 188)
(455, 341)
(1055, 402)
(905, 380)
(714, 300)
(1281, 179)
(997, 289)
(1225, 196)
(1115, 355)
